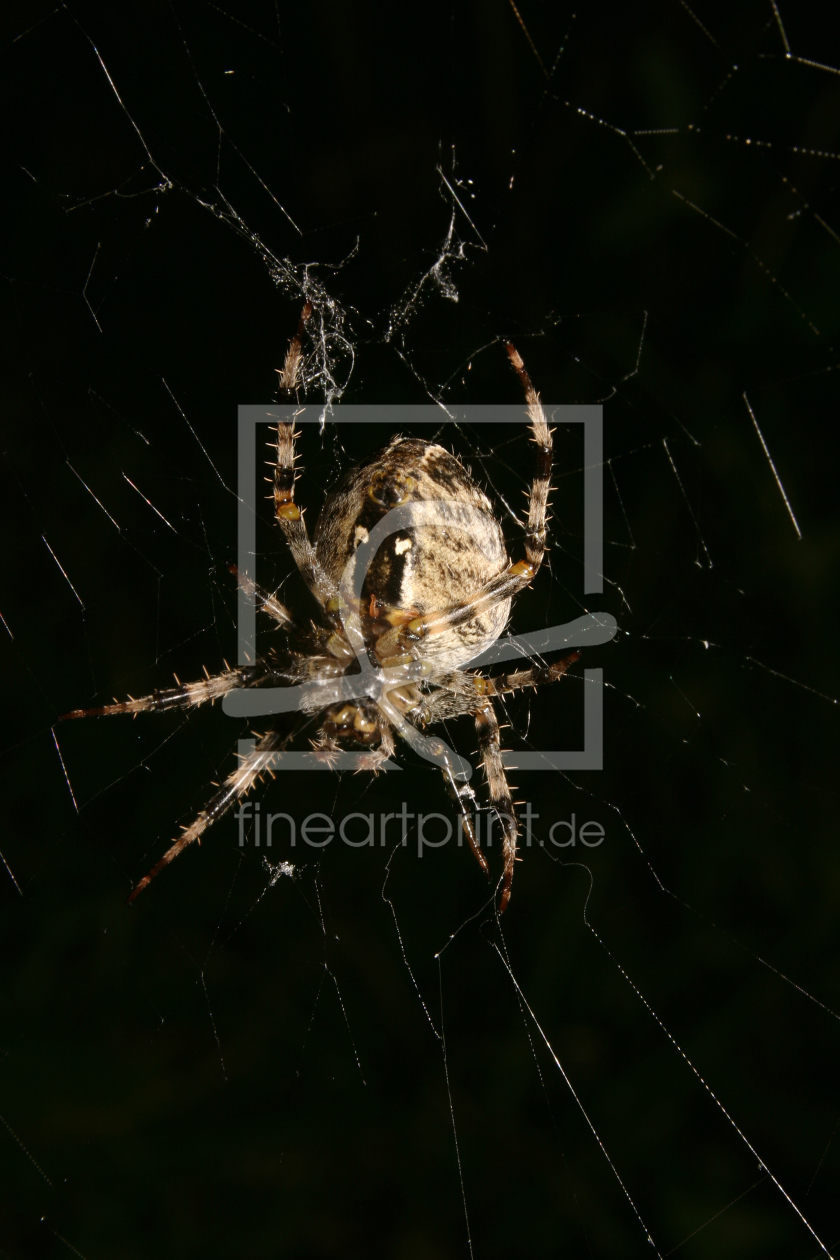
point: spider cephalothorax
(410, 569)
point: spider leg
(290, 372)
(322, 646)
(386, 748)
(182, 697)
(236, 785)
(289, 515)
(447, 703)
(264, 601)
(516, 576)
(326, 748)
(487, 729)
(290, 518)
(503, 586)
(538, 497)
(463, 796)
(468, 693)
(504, 684)
(466, 684)
(459, 692)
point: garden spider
(401, 616)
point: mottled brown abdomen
(422, 568)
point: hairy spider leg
(289, 516)
(239, 782)
(489, 745)
(187, 696)
(463, 693)
(516, 576)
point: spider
(401, 614)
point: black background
(339, 1064)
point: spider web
(343, 1052)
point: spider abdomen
(427, 565)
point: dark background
(340, 1063)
